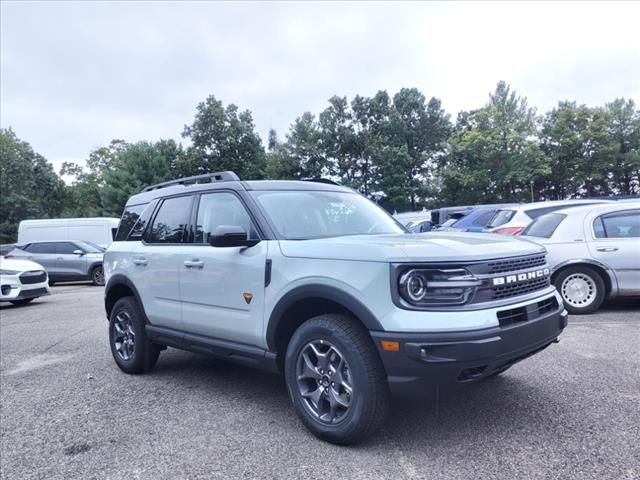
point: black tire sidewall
(136, 363)
(597, 279)
(362, 390)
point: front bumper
(429, 363)
(12, 289)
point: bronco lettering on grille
(520, 277)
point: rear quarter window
(501, 217)
(129, 218)
(545, 225)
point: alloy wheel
(124, 336)
(324, 381)
(579, 290)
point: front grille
(508, 291)
(35, 276)
(513, 264)
(36, 292)
(548, 305)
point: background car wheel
(97, 276)
(582, 289)
(130, 348)
(23, 301)
(336, 380)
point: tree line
(403, 151)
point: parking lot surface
(573, 411)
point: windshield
(89, 247)
(302, 215)
(500, 218)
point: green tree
(28, 185)
(624, 136)
(223, 139)
(494, 152)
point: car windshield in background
(89, 247)
(303, 215)
(545, 225)
(500, 218)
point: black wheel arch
(117, 287)
(307, 301)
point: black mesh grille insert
(36, 276)
(514, 264)
(509, 317)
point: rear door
(156, 262)
(615, 241)
(222, 288)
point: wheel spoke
(314, 395)
(309, 370)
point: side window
(138, 229)
(41, 248)
(128, 220)
(598, 228)
(170, 224)
(537, 212)
(221, 208)
(66, 248)
(621, 225)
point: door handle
(607, 249)
(194, 263)
(140, 261)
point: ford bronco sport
(313, 280)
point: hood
(424, 247)
(19, 265)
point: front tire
(130, 347)
(582, 289)
(336, 380)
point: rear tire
(131, 349)
(582, 289)
(341, 395)
(97, 276)
(23, 301)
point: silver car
(594, 252)
(64, 260)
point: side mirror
(78, 252)
(230, 236)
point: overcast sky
(75, 75)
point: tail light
(509, 230)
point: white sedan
(22, 281)
(593, 251)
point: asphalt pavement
(67, 411)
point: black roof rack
(212, 177)
(321, 180)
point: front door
(69, 265)
(616, 243)
(222, 288)
(44, 253)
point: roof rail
(321, 180)
(212, 177)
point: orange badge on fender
(247, 297)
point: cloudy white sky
(75, 75)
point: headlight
(432, 287)
(9, 272)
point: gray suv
(313, 280)
(64, 260)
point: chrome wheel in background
(579, 290)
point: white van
(100, 230)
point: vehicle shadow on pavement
(498, 404)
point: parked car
(22, 281)
(513, 220)
(6, 248)
(65, 261)
(420, 226)
(475, 220)
(315, 281)
(593, 251)
(99, 230)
